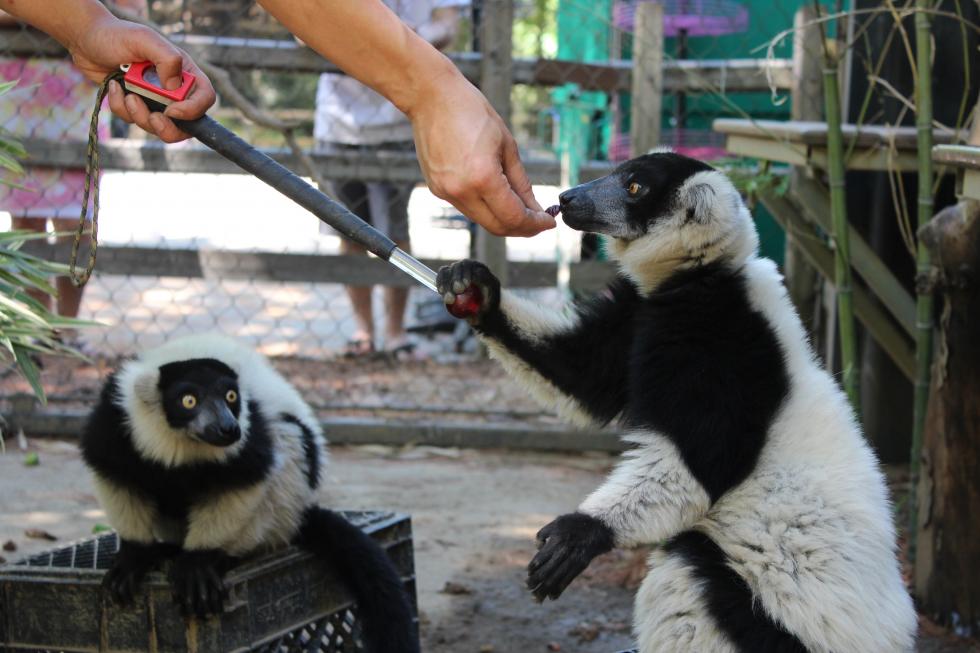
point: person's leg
(354, 195)
(69, 295)
(362, 341)
(396, 300)
(389, 212)
(39, 225)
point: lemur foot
(130, 566)
(454, 281)
(197, 584)
(566, 546)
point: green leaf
(21, 310)
(21, 235)
(32, 459)
(101, 528)
(10, 145)
(29, 369)
(10, 163)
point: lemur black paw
(197, 584)
(566, 546)
(454, 283)
(130, 566)
(123, 581)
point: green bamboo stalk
(923, 307)
(842, 249)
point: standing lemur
(201, 451)
(747, 466)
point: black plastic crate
(278, 603)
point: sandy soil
(474, 516)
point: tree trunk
(947, 568)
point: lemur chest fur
(707, 371)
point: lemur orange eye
(231, 396)
(634, 188)
(188, 401)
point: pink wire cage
(694, 17)
(683, 18)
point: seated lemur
(747, 468)
(202, 453)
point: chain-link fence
(189, 244)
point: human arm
(99, 43)
(466, 152)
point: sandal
(357, 347)
(402, 349)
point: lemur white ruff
(201, 451)
(746, 462)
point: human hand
(470, 159)
(109, 42)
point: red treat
(467, 303)
(553, 210)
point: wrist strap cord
(92, 175)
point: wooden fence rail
(728, 75)
(200, 263)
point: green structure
(585, 128)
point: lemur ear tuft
(698, 201)
(146, 387)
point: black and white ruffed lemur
(201, 451)
(747, 467)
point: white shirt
(350, 113)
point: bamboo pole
(923, 308)
(838, 212)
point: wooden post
(648, 79)
(806, 103)
(806, 93)
(947, 564)
(923, 266)
(496, 33)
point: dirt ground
(474, 515)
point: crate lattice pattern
(333, 633)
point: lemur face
(628, 202)
(201, 398)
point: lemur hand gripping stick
(139, 78)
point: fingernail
(156, 121)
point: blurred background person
(351, 116)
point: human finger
(198, 101)
(517, 175)
(117, 102)
(139, 112)
(509, 211)
(166, 130)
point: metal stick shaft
(413, 268)
(230, 146)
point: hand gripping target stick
(140, 78)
